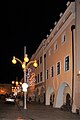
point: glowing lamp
(12, 82)
(23, 65)
(16, 83)
(35, 64)
(24, 86)
(14, 60)
(26, 59)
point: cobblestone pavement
(41, 112)
(34, 112)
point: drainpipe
(45, 75)
(72, 29)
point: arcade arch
(64, 95)
(49, 96)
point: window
(38, 62)
(67, 63)
(58, 68)
(49, 52)
(47, 74)
(52, 71)
(55, 46)
(63, 37)
(36, 79)
(40, 76)
(40, 59)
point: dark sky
(29, 21)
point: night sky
(28, 24)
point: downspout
(72, 29)
(44, 72)
(44, 75)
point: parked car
(10, 99)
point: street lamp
(25, 65)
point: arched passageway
(42, 95)
(49, 96)
(64, 95)
(52, 99)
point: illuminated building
(58, 58)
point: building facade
(58, 57)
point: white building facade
(58, 56)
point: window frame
(65, 68)
(62, 37)
(52, 71)
(40, 59)
(55, 46)
(58, 73)
(41, 78)
(47, 72)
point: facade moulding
(69, 20)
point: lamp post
(25, 65)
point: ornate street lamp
(25, 65)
